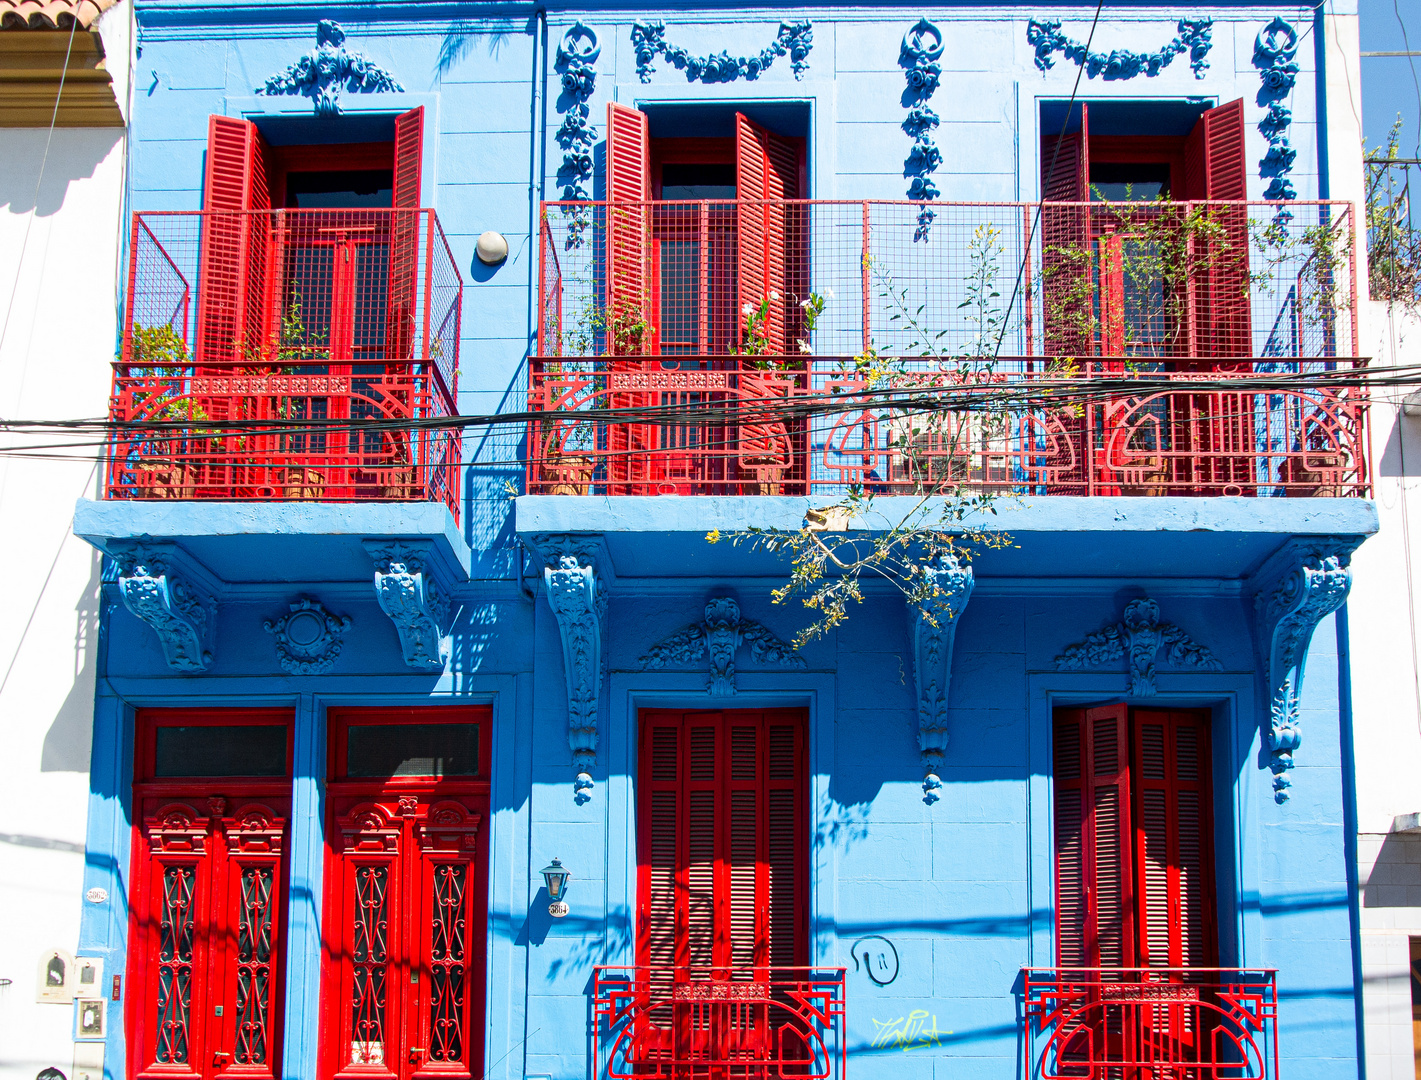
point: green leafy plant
(1393, 238)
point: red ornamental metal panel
(1195, 1023)
(758, 1024)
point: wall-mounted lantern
(555, 878)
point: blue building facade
(1081, 807)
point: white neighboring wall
(58, 258)
(1384, 624)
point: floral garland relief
(1193, 38)
(326, 70)
(1273, 54)
(577, 53)
(649, 40)
(922, 48)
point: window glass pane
(412, 750)
(221, 750)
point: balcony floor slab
(251, 542)
(664, 536)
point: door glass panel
(369, 957)
(429, 750)
(220, 750)
(254, 966)
(175, 949)
(446, 963)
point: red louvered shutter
(402, 301)
(1174, 850)
(722, 842)
(766, 175)
(1217, 171)
(1066, 241)
(232, 312)
(1094, 895)
(628, 233)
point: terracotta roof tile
(51, 14)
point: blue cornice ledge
(934, 635)
(299, 542)
(1305, 581)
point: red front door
(406, 888)
(206, 962)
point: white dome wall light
(492, 248)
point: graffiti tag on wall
(911, 1032)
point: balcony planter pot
(303, 483)
(165, 480)
(569, 474)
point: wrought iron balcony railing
(1144, 280)
(740, 1025)
(727, 425)
(1150, 1024)
(288, 355)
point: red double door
(721, 887)
(406, 894)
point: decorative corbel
(721, 634)
(934, 634)
(408, 593)
(578, 597)
(1298, 587)
(184, 619)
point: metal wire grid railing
(1150, 1024)
(1394, 230)
(736, 425)
(335, 327)
(1140, 280)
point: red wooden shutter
(232, 306)
(766, 174)
(402, 301)
(1066, 241)
(1095, 922)
(628, 234)
(1216, 170)
(1174, 852)
(722, 842)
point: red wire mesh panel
(314, 404)
(719, 401)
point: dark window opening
(427, 750)
(1113, 181)
(220, 750)
(341, 189)
(697, 180)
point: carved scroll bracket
(1303, 583)
(934, 634)
(184, 618)
(577, 593)
(408, 591)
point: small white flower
(804, 346)
(748, 309)
(774, 295)
(828, 293)
(805, 304)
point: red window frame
(229, 835)
(405, 826)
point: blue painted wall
(962, 887)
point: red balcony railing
(1200, 281)
(736, 1025)
(288, 355)
(638, 425)
(1151, 1024)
